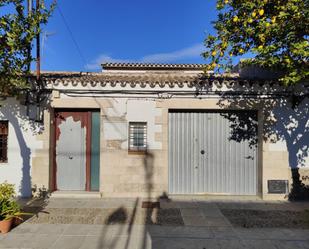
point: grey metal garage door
(210, 152)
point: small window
(137, 136)
(4, 131)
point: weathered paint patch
(114, 144)
(62, 116)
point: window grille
(137, 136)
(4, 131)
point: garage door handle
(202, 152)
(70, 157)
(249, 157)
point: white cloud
(178, 55)
(185, 53)
(96, 64)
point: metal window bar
(4, 129)
(137, 136)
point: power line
(72, 36)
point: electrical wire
(71, 35)
(173, 94)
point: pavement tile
(115, 230)
(224, 205)
(231, 244)
(174, 243)
(186, 204)
(26, 228)
(186, 243)
(304, 244)
(79, 229)
(179, 232)
(212, 212)
(224, 233)
(66, 203)
(194, 221)
(191, 212)
(207, 244)
(259, 244)
(206, 221)
(93, 242)
(40, 241)
(298, 234)
(55, 229)
(284, 234)
(180, 223)
(167, 204)
(204, 205)
(217, 221)
(95, 230)
(68, 242)
(253, 233)
(110, 242)
(15, 240)
(288, 244)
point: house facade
(158, 129)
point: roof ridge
(151, 66)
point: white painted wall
(292, 132)
(22, 144)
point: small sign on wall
(278, 186)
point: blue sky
(165, 31)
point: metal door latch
(249, 157)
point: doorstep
(75, 194)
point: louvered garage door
(212, 152)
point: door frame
(56, 134)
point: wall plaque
(278, 186)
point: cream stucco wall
(125, 174)
(129, 175)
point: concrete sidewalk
(63, 236)
(122, 223)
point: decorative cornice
(162, 80)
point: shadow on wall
(124, 233)
(15, 113)
(284, 121)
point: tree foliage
(275, 31)
(17, 31)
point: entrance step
(75, 194)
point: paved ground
(123, 223)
